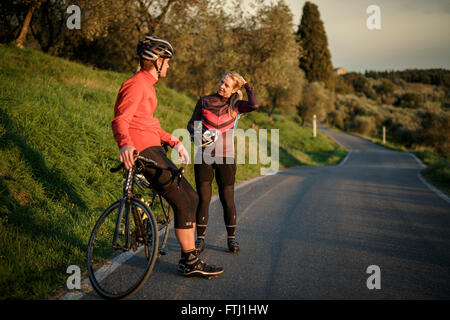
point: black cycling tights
(181, 196)
(225, 177)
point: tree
(151, 14)
(30, 5)
(316, 62)
(273, 62)
(316, 101)
(109, 29)
(208, 41)
(204, 44)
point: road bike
(125, 241)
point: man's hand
(184, 155)
(126, 155)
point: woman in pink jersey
(136, 129)
(219, 111)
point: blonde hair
(238, 82)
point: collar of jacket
(149, 76)
(222, 99)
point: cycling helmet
(152, 48)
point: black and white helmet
(152, 48)
(209, 137)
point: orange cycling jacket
(134, 123)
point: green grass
(56, 148)
(437, 171)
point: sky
(413, 34)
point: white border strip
(346, 158)
(324, 130)
(435, 190)
(418, 160)
(421, 178)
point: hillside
(413, 106)
(414, 114)
(56, 148)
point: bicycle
(124, 243)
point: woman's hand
(184, 155)
(127, 156)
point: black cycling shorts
(182, 197)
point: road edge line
(432, 188)
(424, 181)
(345, 159)
(77, 294)
(423, 165)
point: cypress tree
(316, 61)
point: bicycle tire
(122, 264)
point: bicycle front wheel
(119, 259)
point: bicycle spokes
(117, 270)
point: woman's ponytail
(235, 97)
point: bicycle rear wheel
(117, 272)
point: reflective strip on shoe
(202, 269)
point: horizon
(394, 47)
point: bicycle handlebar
(176, 172)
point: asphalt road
(312, 232)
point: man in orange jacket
(136, 129)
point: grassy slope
(56, 148)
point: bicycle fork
(122, 228)
(124, 207)
(132, 237)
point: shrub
(364, 125)
(343, 86)
(410, 100)
(385, 88)
(405, 136)
(434, 127)
(336, 118)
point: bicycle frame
(125, 202)
(155, 196)
(142, 232)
